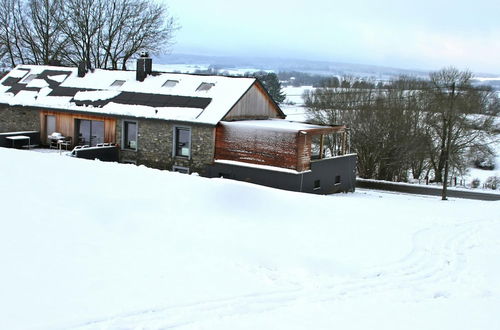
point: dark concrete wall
(325, 170)
(105, 154)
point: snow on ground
(483, 175)
(91, 245)
(294, 112)
(294, 94)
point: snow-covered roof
(279, 124)
(186, 97)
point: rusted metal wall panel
(262, 146)
(303, 151)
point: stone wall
(18, 119)
(155, 146)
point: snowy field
(91, 245)
(193, 68)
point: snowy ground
(91, 245)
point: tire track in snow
(437, 256)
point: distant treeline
(412, 128)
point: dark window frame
(117, 83)
(337, 179)
(176, 143)
(125, 122)
(205, 86)
(180, 169)
(170, 83)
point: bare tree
(81, 21)
(456, 119)
(386, 125)
(103, 34)
(10, 37)
(41, 31)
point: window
(317, 184)
(29, 78)
(182, 142)
(117, 83)
(180, 169)
(170, 83)
(129, 140)
(204, 86)
(337, 179)
(90, 132)
(50, 127)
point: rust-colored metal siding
(303, 151)
(255, 104)
(278, 148)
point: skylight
(170, 83)
(204, 86)
(29, 78)
(117, 83)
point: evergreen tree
(272, 84)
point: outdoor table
(18, 137)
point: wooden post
(321, 146)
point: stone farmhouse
(213, 125)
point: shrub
(482, 157)
(493, 182)
(475, 183)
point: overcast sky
(419, 34)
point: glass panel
(130, 135)
(170, 83)
(205, 86)
(117, 83)
(83, 132)
(90, 132)
(97, 130)
(315, 146)
(51, 124)
(182, 142)
(29, 79)
(50, 127)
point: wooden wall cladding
(65, 124)
(255, 104)
(262, 146)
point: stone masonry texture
(155, 145)
(18, 119)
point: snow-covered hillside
(91, 245)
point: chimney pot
(82, 69)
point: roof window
(170, 83)
(29, 79)
(117, 83)
(204, 86)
